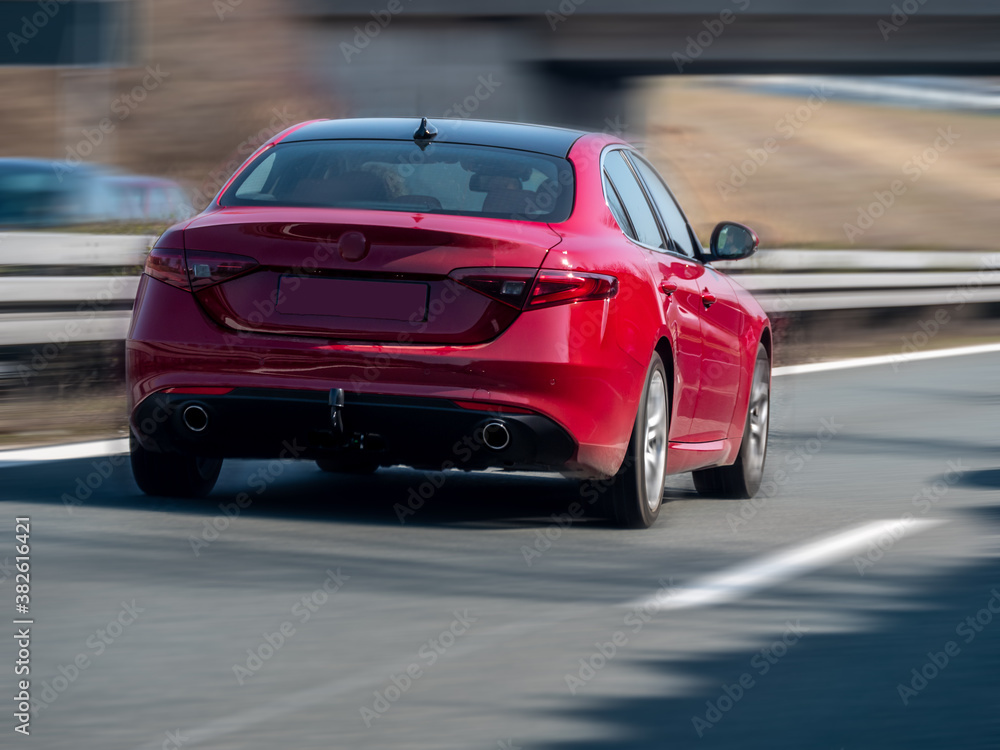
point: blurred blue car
(42, 193)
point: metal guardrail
(32, 289)
(24, 329)
(785, 281)
(37, 249)
(809, 261)
(782, 280)
(784, 293)
(36, 309)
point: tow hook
(336, 407)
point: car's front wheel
(742, 480)
(173, 475)
(637, 490)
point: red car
(450, 294)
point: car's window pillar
(646, 174)
(635, 202)
(617, 208)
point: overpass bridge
(573, 61)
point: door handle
(708, 299)
(667, 288)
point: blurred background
(861, 142)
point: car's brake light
(524, 288)
(195, 269)
(562, 287)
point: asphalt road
(154, 630)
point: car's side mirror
(732, 241)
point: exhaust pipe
(496, 435)
(195, 418)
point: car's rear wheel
(357, 466)
(173, 475)
(742, 480)
(637, 490)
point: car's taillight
(562, 287)
(206, 268)
(507, 285)
(168, 266)
(525, 288)
(195, 269)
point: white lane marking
(96, 449)
(889, 359)
(727, 586)
(749, 578)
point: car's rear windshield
(443, 178)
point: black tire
(173, 475)
(357, 466)
(742, 480)
(633, 504)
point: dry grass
(830, 166)
(76, 418)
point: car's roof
(17, 164)
(538, 138)
(21, 164)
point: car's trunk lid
(364, 275)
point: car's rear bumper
(582, 387)
(388, 430)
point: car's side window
(617, 210)
(670, 212)
(643, 220)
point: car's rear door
(718, 310)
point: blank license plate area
(352, 298)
